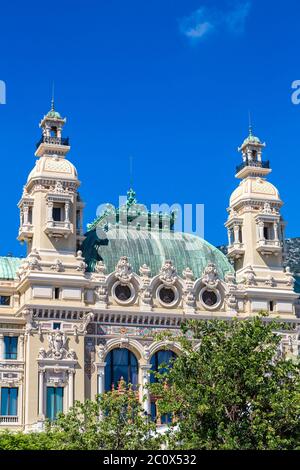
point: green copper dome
(9, 266)
(54, 114)
(251, 139)
(147, 238)
(151, 248)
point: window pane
(57, 214)
(10, 347)
(9, 401)
(13, 402)
(162, 357)
(54, 401)
(120, 363)
(4, 300)
(50, 412)
(4, 401)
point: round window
(210, 298)
(167, 295)
(123, 292)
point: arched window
(120, 363)
(162, 357)
(160, 361)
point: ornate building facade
(82, 310)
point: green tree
(123, 424)
(235, 391)
(30, 441)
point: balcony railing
(53, 141)
(252, 163)
(9, 419)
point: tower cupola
(253, 164)
(52, 141)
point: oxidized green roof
(147, 238)
(251, 139)
(151, 248)
(9, 266)
(54, 114)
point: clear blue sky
(170, 82)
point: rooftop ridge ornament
(131, 199)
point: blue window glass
(160, 359)
(120, 363)
(9, 401)
(55, 397)
(56, 326)
(10, 347)
(4, 300)
(160, 362)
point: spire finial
(52, 99)
(131, 171)
(250, 124)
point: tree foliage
(235, 391)
(123, 425)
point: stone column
(25, 212)
(71, 387)
(144, 390)
(100, 378)
(236, 233)
(50, 212)
(20, 403)
(21, 348)
(41, 393)
(276, 231)
(1, 346)
(67, 212)
(261, 230)
(229, 237)
(21, 217)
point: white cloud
(206, 20)
(197, 25)
(236, 18)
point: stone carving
(267, 208)
(81, 267)
(57, 266)
(99, 272)
(34, 264)
(188, 274)
(59, 188)
(31, 325)
(123, 270)
(57, 347)
(101, 294)
(270, 282)
(100, 268)
(249, 277)
(210, 276)
(168, 273)
(146, 353)
(188, 293)
(100, 352)
(87, 318)
(290, 278)
(145, 271)
(146, 297)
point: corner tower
(256, 232)
(50, 207)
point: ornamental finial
(250, 125)
(52, 99)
